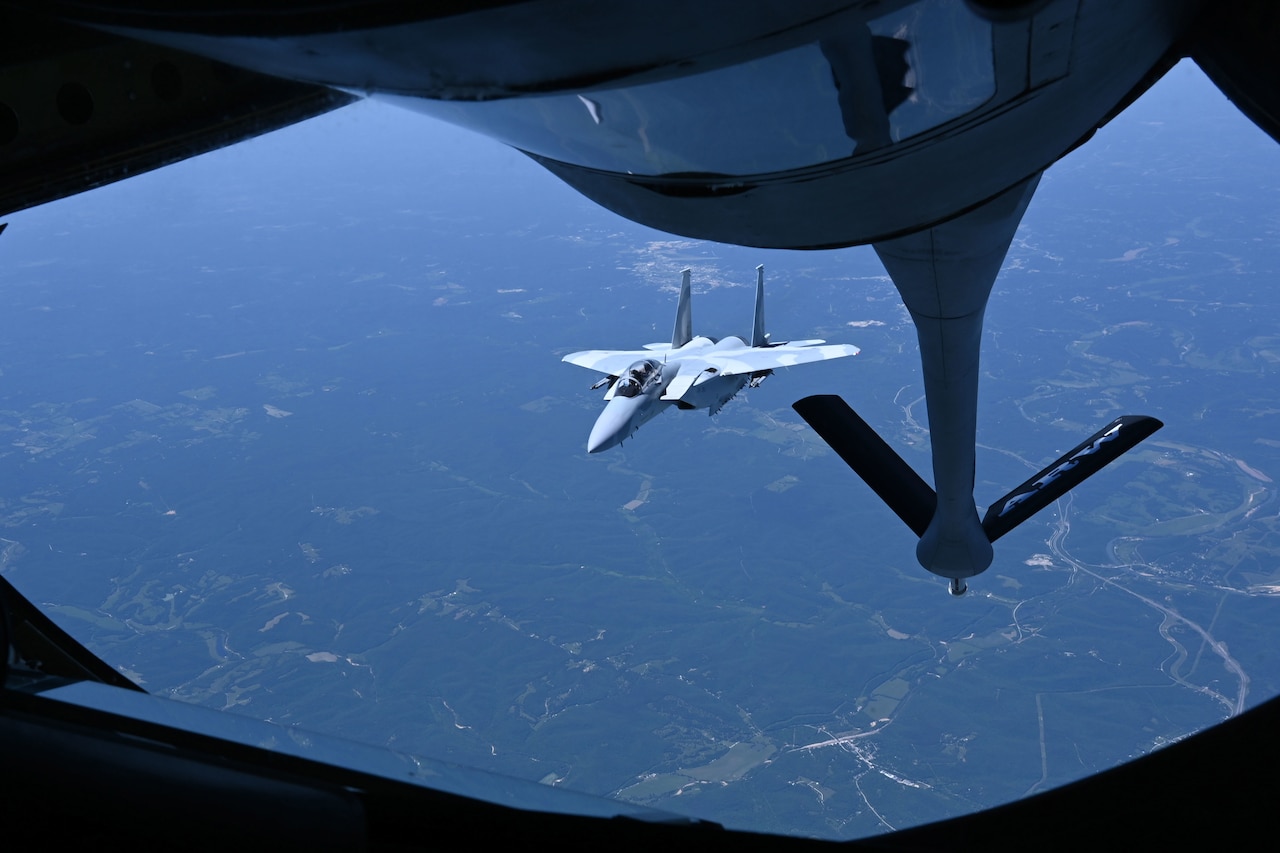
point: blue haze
(285, 432)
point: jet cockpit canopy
(639, 378)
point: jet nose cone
(611, 427)
(601, 440)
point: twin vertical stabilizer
(759, 338)
(684, 313)
(683, 332)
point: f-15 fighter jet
(692, 372)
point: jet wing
(611, 361)
(709, 365)
(754, 359)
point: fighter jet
(692, 372)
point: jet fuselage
(626, 412)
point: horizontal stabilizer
(1071, 469)
(888, 475)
